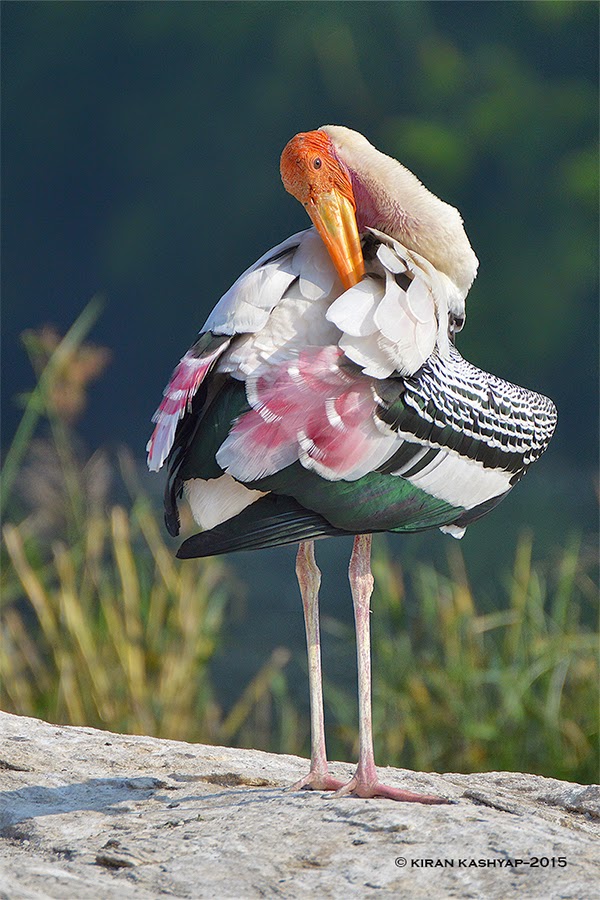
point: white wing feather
(293, 298)
(353, 311)
(246, 306)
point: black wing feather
(270, 522)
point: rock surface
(90, 814)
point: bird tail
(270, 522)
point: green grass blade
(36, 402)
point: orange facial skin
(312, 173)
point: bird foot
(358, 787)
(317, 781)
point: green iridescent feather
(372, 503)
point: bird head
(347, 185)
(313, 173)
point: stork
(325, 396)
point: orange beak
(334, 217)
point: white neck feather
(393, 200)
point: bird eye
(317, 163)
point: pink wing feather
(311, 409)
(185, 381)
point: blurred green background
(141, 151)
(141, 145)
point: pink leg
(364, 782)
(309, 579)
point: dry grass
(456, 689)
(100, 625)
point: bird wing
(467, 436)
(189, 374)
(403, 453)
(292, 297)
(435, 449)
(312, 370)
(352, 404)
(244, 308)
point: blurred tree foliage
(141, 145)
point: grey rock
(90, 814)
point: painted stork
(324, 396)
